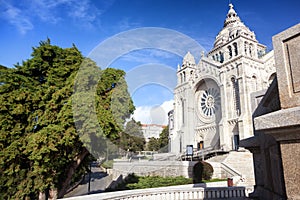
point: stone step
(219, 158)
(242, 162)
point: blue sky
(87, 23)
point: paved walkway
(97, 183)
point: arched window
(246, 48)
(180, 144)
(236, 96)
(250, 49)
(184, 77)
(230, 51)
(182, 110)
(221, 57)
(235, 49)
(217, 57)
(181, 78)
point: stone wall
(276, 144)
(154, 168)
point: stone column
(277, 125)
(284, 127)
(287, 61)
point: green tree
(134, 128)
(159, 144)
(153, 144)
(164, 139)
(41, 142)
(132, 138)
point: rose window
(210, 102)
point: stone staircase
(237, 165)
(164, 156)
(219, 158)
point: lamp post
(89, 185)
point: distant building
(151, 130)
(212, 99)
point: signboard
(189, 150)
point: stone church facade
(212, 99)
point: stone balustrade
(192, 191)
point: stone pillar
(254, 51)
(277, 125)
(226, 54)
(287, 60)
(223, 124)
(284, 127)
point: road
(97, 183)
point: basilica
(213, 99)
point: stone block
(287, 60)
(291, 164)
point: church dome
(233, 27)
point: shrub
(123, 185)
(202, 171)
(108, 164)
(157, 181)
(131, 178)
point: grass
(213, 180)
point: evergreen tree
(132, 138)
(164, 140)
(40, 149)
(153, 144)
(159, 144)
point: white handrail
(230, 170)
(191, 192)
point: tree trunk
(71, 172)
(52, 194)
(42, 196)
(49, 194)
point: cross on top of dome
(231, 16)
(233, 27)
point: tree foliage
(153, 144)
(159, 144)
(40, 149)
(132, 137)
(164, 139)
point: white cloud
(22, 15)
(154, 114)
(161, 39)
(15, 17)
(127, 23)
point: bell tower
(235, 40)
